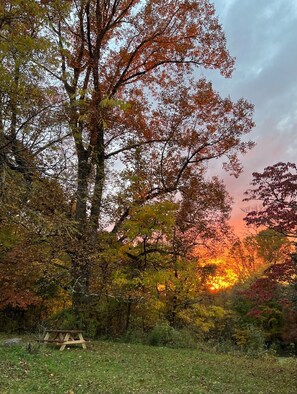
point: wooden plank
(51, 341)
(58, 342)
(73, 342)
(65, 331)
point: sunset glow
(224, 278)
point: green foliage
(272, 246)
(64, 319)
(9, 322)
(136, 335)
(205, 319)
(111, 103)
(250, 338)
(9, 237)
(151, 220)
(165, 335)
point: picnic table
(64, 338)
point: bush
(165, 335)
(250, 339)
(134, 335)
(64, 319)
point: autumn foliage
(271, 301)
(107, 130)
(276, 189)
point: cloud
(261, 34)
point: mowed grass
(110, 367)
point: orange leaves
(15, 297)
(17, 278)
(147, 36)
(276, 189)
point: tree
(154, 269)
(160, 240)
(33, 207)
(104, 97)
(276, 188)
(270, 301)
(128, 72)
(254, 253)
(271, 247)
(30, 116)
(35, 273)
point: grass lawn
(109, 367)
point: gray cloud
(261, 34)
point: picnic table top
(65, 331)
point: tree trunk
(83, 174)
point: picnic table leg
(46, 337)
(65, 340)
(82, 339)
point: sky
(262, 36)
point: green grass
(110, 367)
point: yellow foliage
(202, 317)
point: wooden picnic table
(64, 338)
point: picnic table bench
(64, 338)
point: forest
(110, 220)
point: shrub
(250, 339)
(165, 335)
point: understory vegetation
(114, 367)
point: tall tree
(276, 189)
(129, 72)
(122, 93)
(31, 122)
(30, 117)
(33, 206)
